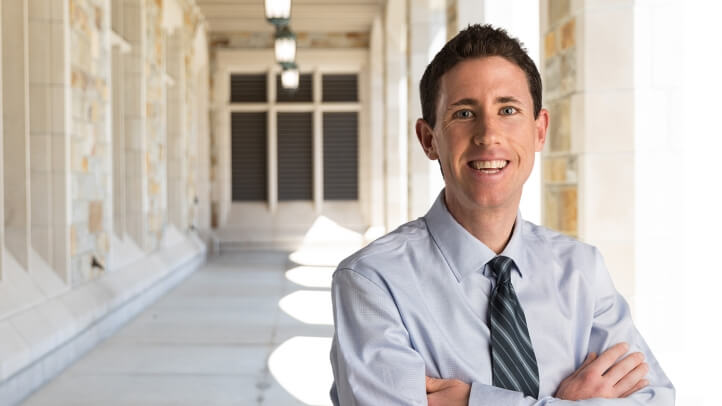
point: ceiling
(306, 15)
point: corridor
(230, 334)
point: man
(471, 304)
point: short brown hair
(473, 42)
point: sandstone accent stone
(568, 34)
(568, 215)
(550, 45)
(551, 208)
(95, 216)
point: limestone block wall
(589, 174)
(189, 154)
(560, 86)
(90, 146)
(155, 154)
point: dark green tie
(513, 361)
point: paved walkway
(238, 331)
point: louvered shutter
(248, 156)
(340, 88)
(295, 156)
(304, 93)
(340, 156)
(249, 88)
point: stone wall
(559, 163)
(191, 116)
(90, 140)
(155, 156)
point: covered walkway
(248, 328)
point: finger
(588, 360)
(433, 384)
(629, 381)
(621, 369)
(609, 357)
(641, 384)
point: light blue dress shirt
(414, 303)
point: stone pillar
(40, 101)
(376, 199)
(2, 162)
(177, 126)
(90, 141)
(119, 53)
(589, 158)
(135, 127)
(396, 114)
(427, 34)
(154, 161)
(16, 129)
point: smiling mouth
(488, 167)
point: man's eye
(507, 111)
(464, 114)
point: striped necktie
(514, 364)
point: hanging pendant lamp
(278, 12)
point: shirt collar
(463, 252)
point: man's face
(485, 134)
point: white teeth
(498, 164)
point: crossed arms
(375, 362)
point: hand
(597, 378)
(447, 392)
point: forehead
(484, 78)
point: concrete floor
(210, 341)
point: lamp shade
(289, 76)
(285, 45)
(278, 12)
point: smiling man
(470, 304)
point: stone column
(119, 53)
(375, 164)
(2, 162)
(16, 127)
(396, 173)
(589, 159)
(177, 126)
(427, 34)
(135, 127)
(40, 101)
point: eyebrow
(471, 101)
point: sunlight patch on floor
(301, 366)
(326, 243)
(309, 306)
(311, 276)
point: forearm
(486, 395)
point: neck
(493, 227)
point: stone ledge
(38, 343)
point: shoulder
(563, 249)
(394, 251)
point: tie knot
(501, 266)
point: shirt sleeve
(371, 355)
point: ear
(542, 125)
(425, 134)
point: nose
(486, 131)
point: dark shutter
(340, 88)
(248, 156)
(248, 88)
(304, 93)
(340, 156)
(295, 159)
